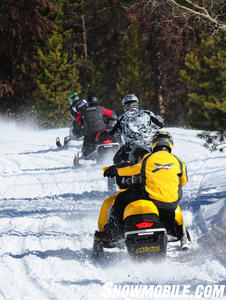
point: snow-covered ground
(49, 211)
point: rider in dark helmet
(92, 101)
(92, 117)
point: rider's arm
(116, 126)
(184, 176)
(157, 120)
(73, 111)
(107, 112)
(132, 169)
(78, 119)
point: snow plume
(49, 212)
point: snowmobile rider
(73, 98)
(76, 130)
(134, 126)
(162, 176)
(92, 117)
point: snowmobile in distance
(144, 235)
(76, 133)
(105, 144)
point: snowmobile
(76, 133)
(105, 144)
(143, 234)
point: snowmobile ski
(65, 145)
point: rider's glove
(111, 171)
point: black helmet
(162, 140)
(92, 101)
(137, 153)
(130, 101)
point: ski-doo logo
(148, 249)
(162, 167)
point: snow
(49, 211)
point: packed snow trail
(49, 211)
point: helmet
(82, 103)
(137, 153)
(130, 101)
(162, 140)
(92, 101)
(73, 97)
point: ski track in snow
(49, 211)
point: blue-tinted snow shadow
(47, 169)
(50, 150)
(64, 254)
(29, 171)
(81, 256)
(207, 159)
(92, 195)
(80, 167)
(13, 213)
(81, 282)
(203, 198)
(211, 241)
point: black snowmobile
(105, 145)
(76, 133)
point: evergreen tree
(97, 33)
(22, 25)
(206, 77)
(167, 38)
(57, 78)
(132, 70)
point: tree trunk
(84, 37)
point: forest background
(170, 53)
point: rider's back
(93, 120)
(136, 128)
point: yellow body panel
(105, 208)
(140, 207)
(179, 216)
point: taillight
(145, 225)
(107, 141)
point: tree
(133, 72)
(57, 78)
(21, 26)
(167, 38)
(208, 11)
(97, 32)
(205, 76)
